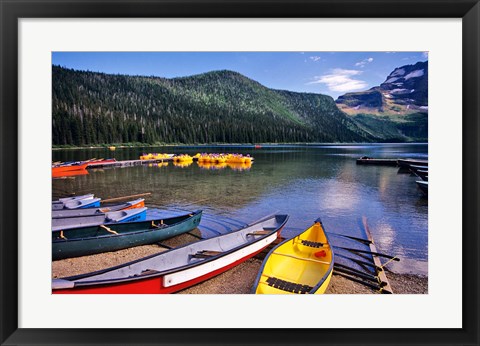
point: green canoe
(84, 241)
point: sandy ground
(238, 280)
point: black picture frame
(11, 11)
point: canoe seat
(288, 286)
(205, 254)
(159, 225)
(311, 243)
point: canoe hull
(406, 163)
(299, 265)
(79, 244)
(423, 185)
(109, 218)
(77, 204)
(156, 285)
(179, 268)
(69, 168)
(138, 203)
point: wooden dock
(378, 162)
(129, 163)
(381, 274)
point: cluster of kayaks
(218, 166)
(182, 158)
(223, 158)
(156, 156)
(300, 265)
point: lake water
(305, 182)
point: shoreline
(237, 280)
(141, 145)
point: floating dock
(129, 163)
(378, 162)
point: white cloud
(364, 62)
(315, 58)
(425, 55)
(341, 80)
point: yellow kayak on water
(300, 265)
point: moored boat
(417, 167)
(406, 163)
(84, 241)
(422, 174)
(109, 218)
(77, 166)
(423, 185)
(178, 268)
(77, 204)
(182, 158)
(299, 265)
(138, 203)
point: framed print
(265, 137)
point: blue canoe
(85, 201)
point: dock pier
(129, 163)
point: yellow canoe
(300, 265)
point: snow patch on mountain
(398, 91)
(391, 80)
(414, 74)
(398, 72)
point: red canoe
(80, 166)
(176, 269)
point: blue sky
(330, 73)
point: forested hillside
(216, 107)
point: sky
(329, 73)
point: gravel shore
(238, 280)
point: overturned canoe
(302, 265)
(84, 241)
(138, 203)
(179, 268)
(113, 217)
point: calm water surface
(305, 182)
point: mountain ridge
(404, 91)
(213, 107)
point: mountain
(397, 109)
(405, 91)
(215, 107)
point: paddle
(349, 277)
(351, 271)
(125, 197)
(393, 258)
(365, 241)
(360, 262)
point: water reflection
(306, 182)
